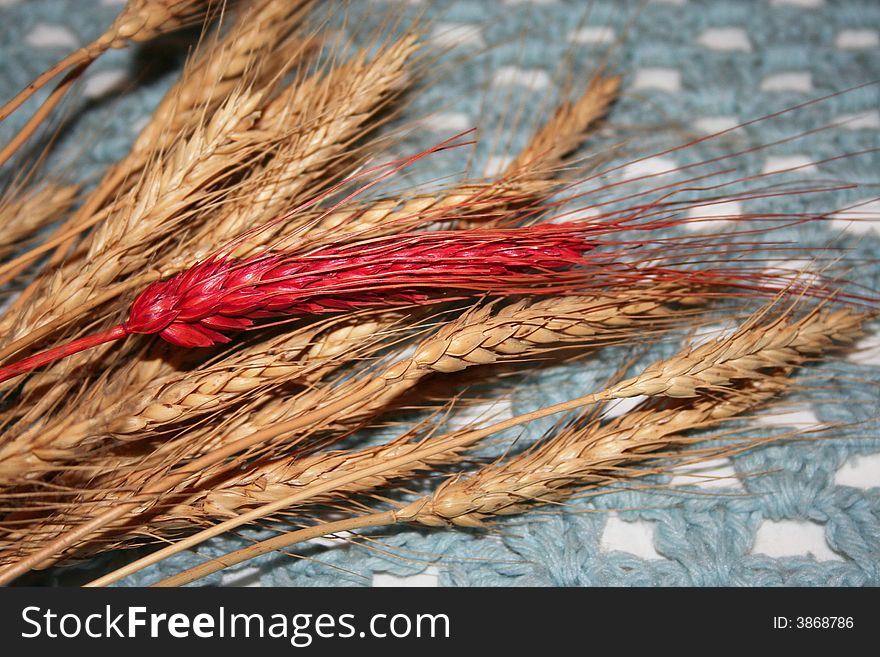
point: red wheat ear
(196, 307)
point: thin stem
(76, 57)
(40, 115)
(270, 545)
(48, 328)
(50, 356)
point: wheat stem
(91, 304)
(76, 58)
(68, 349)
(141, 20)
(40, 115)
(270, 545)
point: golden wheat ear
(701, 373)
(580, 453)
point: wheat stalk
(140, 20)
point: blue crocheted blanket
(800, 513)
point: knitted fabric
(802, 513)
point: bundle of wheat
(240, 295)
